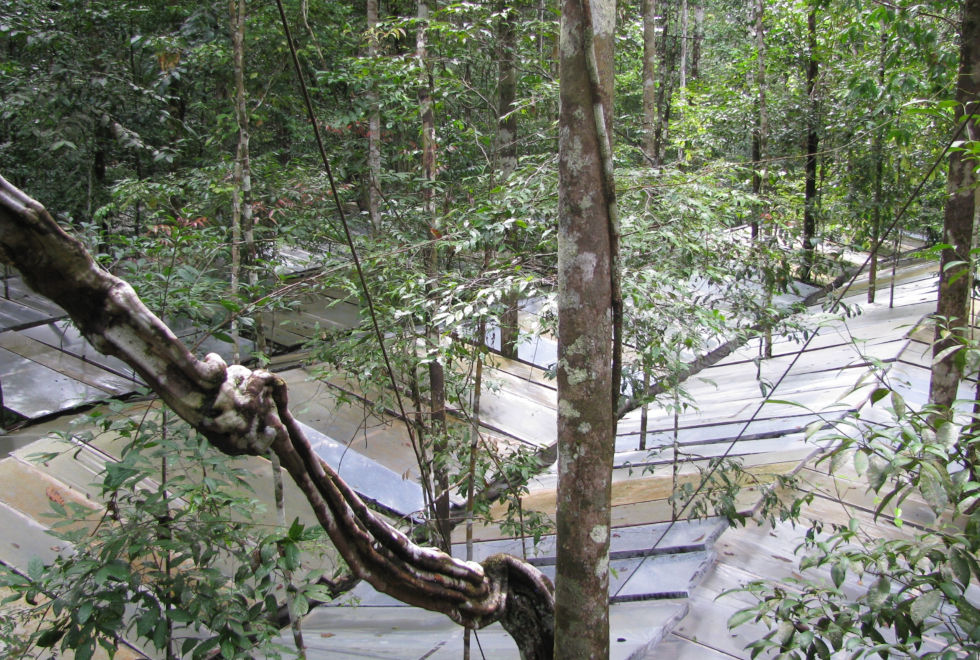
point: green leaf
(180, 615)
(50, 637)
(932, 488)
(59, 509)
(741, 617)
(898, 404)
(147, 622)
(925, 605)
(860, 462)
(960, 566)
(63, 144)
(223, 336)
(821, 649)
(160, 634)
(947, 434)
(837, 460)
(84, 611)
(300, 605)
(115, 569)
(879, 394)
(86, 650)
(291, 556)
(188, 645)
(205, 646)
(838, 572)
(879, 592)
(318, 592)
(35, 569)
(877, 475)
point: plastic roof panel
(32, 390)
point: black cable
(347, 234)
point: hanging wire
(348, 237)
(377, 331)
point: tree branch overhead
(245, 411)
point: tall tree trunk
(474, 448)
(437, 376)
(506, 153)
(586, 427)
(956, 264)
(427, 116)
(697, 41)
(682, 68)
(374, 127)
(761, 132)
(812, 144)
(760, 139)
(241, 187)
(665, 87)
(650, 78)
(685, 48)
(877, 164)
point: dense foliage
(155, 564)
(121, 116)
(915, 590)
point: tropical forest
(489, 329)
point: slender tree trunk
(682, 71)
(304, 12)
(877, 159)
(374, 127)
(279, 495)
(956, 264)
(650, 78)
(437, 376)
(644, 412)
(812, 144)
(586, 427)
(239, 202)
(506, 154)
(474, 448)
(668, 62)
(877, 163)
(760, 134)
(697, 40)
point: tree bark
(241, 194)
(506, 155)
(586, 427)
(697, 41)
(878, 171)
(374, 127)
(241, 411)
(760, 134)
(649, 77)
(812, 144)
(437, 376)
(668, 49)
(955, 266)
(682, 69)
